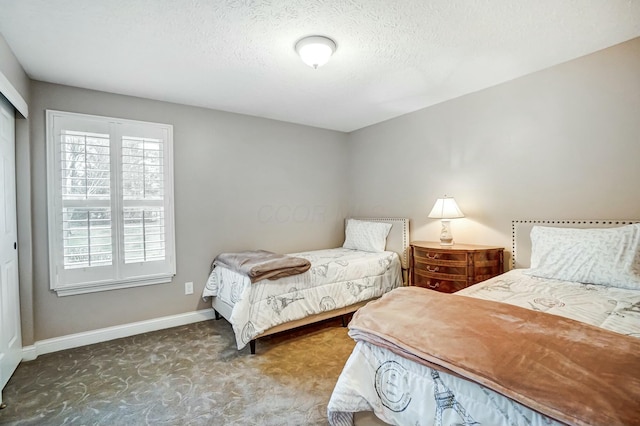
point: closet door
(10, 338)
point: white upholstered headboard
(520, 230)
(398, 239)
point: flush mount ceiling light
(315, 51)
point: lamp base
(446, 237)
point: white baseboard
(55, 344)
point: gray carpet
(189, 375)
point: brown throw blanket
(260, 264)
(573, 372)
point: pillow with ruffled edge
(605, 256)
(366, 236)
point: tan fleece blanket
(573, 372)
(261, 264)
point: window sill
(97, 287)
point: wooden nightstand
(452, 268)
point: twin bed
(372, 262)
(425, 358)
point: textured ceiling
(393, 56)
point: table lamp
(446, 209)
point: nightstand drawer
(441, 272)
(436, 256)
(445, 286)
(441, 262)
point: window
(110, 189)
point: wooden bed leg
(218, 316)
(252, 346)
(344, 322)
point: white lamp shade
(445, 208)
(315, 51)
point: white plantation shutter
(85, 165)
(110, 186)
(143, 194)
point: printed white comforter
(402, 392)
(337, 278)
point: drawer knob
(434, 269)
(434, 256)
(435, 285)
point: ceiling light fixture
(315, 51)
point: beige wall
(240, 183)
(561, 143)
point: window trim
(53, 219)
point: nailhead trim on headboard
(560, 222)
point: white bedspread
(337, 278)
(403, 392)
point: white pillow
(607, 256)
(366, 236)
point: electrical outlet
(188, 288)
